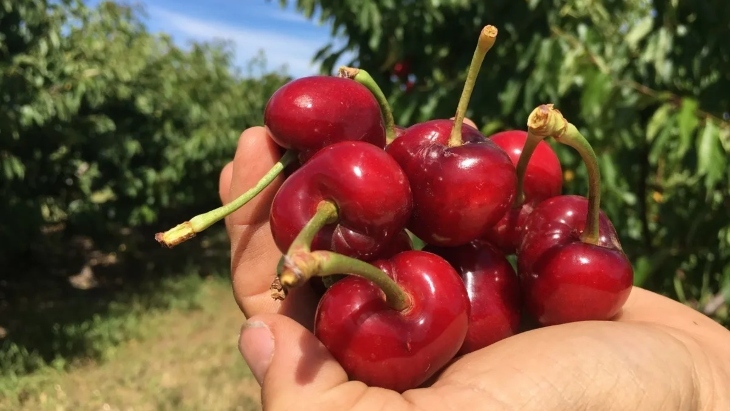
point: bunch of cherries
(363, 192)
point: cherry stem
(530, 145)
(299, 267)
(187, 230)
(548, 121)
(326, 214)
(573, 138)
(364, 78)
(487, 37)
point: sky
(285, 36)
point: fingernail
(257, 348)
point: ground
(187, 360)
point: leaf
(711, 159)
(687, 123)
(657, 122)
(639, 31)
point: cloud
(293, 50)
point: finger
(290, 363)
(467, 121)
(571, 366)
(255, 155)
(253, 252)
(224, 183)
(254, 255)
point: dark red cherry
(543, 179)
(458, 192)
(564, 279)
(370, 191)
(544, 175)
(493, 290)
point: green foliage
(645, 81)
(105, 125)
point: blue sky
(286, 36)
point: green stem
(573, 138)
(187, 230)
(364, 78)
(545, 121)
(326, 214)
(487, 38)
(300, 267)
(530, 145)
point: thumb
(288, 361)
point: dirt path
(187, 361)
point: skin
(657, 354)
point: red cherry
(388, 348)
(370, 191)
(303, 116)
(564, 279)
(459, 192)
(402, 69)
(493, 290)
(310, 113)
(399, 243)
(507, 234)
(543, 179)
(544, 175)
(463, 183)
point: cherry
(310, 113)
(391, 324)
(363, 77)
(552, 217)
(493, 289)
(543, 175)
(402, 69)
(399, 243)
(303, 116)
(350, 197)
(465, 183)
(570, 262)
(541, 178)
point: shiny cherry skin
(383, 347)
(493, 289)
(564, 279)
(368, 187)
(458, 192)
(310, 113)
(543, 179)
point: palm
(616, 364)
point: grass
(181, 358)
(122, 325)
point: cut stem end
(187, 230)
(487, 37)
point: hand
(657, 355)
